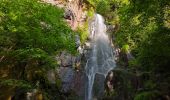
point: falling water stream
(101, 58)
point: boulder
(110, 28)
(66, 59)
(66, 75)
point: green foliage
(145, 96)
(92, 2)
(149, 84)
(133, 63)
(103, 7)
(15, 83)
(125, 48)
(90, 12)
(144, 28)
(59, 83)
(155, 52)
(138, 21)
(36, 54)
(33, 30)
(31, 34)
(83, 32)
(29, 24)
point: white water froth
(101, 58)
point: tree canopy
(31, 34)
(32, 29)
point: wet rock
(77, 39)
(98, 86)
(116, 53)
(67, 60)
(72, 81)
(110, 28)
(80, 50)
(77, 62)
(66, 74)
(79, 84)
(87, 45)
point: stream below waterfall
(101, 56)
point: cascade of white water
(101, 58)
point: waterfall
(101, 59)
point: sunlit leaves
(103, 8)
(93, 2)
(33, 31)
(135, 20)
(167, 16)
(35, 24)
(121, 3)
(125, 48)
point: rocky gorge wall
(75, 14)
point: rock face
(71, 74)
(66, 59)
(72, 81)
(77, 39)
(74, 13)
(66, 74)
(98, 86)
(121, 85)
(110, 28)
(76, 7)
